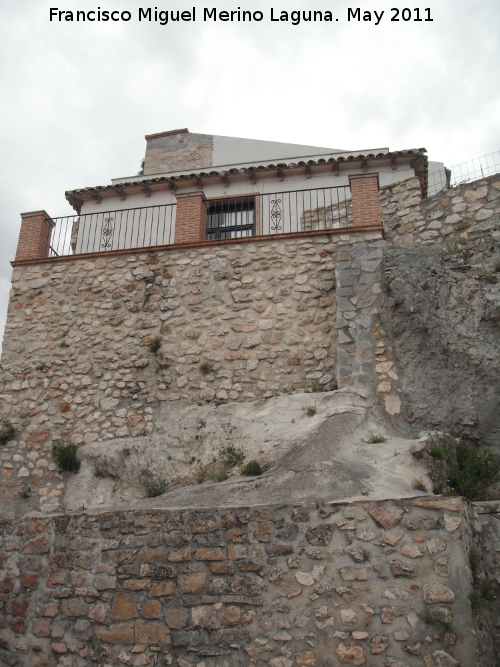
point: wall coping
(202, 244)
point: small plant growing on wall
(205, 367)
(7, 432)
(385, 286)
(154, 344)
(24, 492)
(491, 278)
(309, 410)
(64, 456)
(315, 386)
(481, 593)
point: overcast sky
(78, 98)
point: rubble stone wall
(231, 322)
(437, 339)
(361, 583)
(470, 211)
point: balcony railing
(305, 210)
(234, 217)
(113, 230)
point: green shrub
(155, 488)
(476, 564)
(473, 472)
(375, 438)
(219, 475)
(438, 453)
(64, 456)
(309, 410)
(425, 286)
(480, 596)
(201, 473)
(230, 457)
(7, 432)
(491, 278)
(154, 345)
(252, 469)
(315, 386)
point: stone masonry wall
(234, 322)
(177, 151)
(437, 340)
(470, 211)
(316, 586)
(487, 527)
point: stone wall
(177, 151)
(487, 527)
(233, 322)
(469, 211)
(362, 583)
(437, 341)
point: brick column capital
(34, 236)
(365, 200)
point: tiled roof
(142, 181)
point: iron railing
(234, 217)
(472, 170)
(113, 230)
(304, 210)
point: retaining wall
(310, 586)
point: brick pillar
(365, 200)
(190, 218)
(35, 234)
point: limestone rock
(388, 516)
(448, 504)
(399, 569)
(350, 655)
(348, 616)
(435, 592)
(451, 523)
(440, 659)
(379, 644)
(436, 544)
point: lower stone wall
(487, 527)
(309, 587)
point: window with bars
(231, 218)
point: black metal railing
(113, 230)
(465, 172)
(233, 217)
(304, 210)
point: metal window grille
(230, 218)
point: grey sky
(78, 98)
